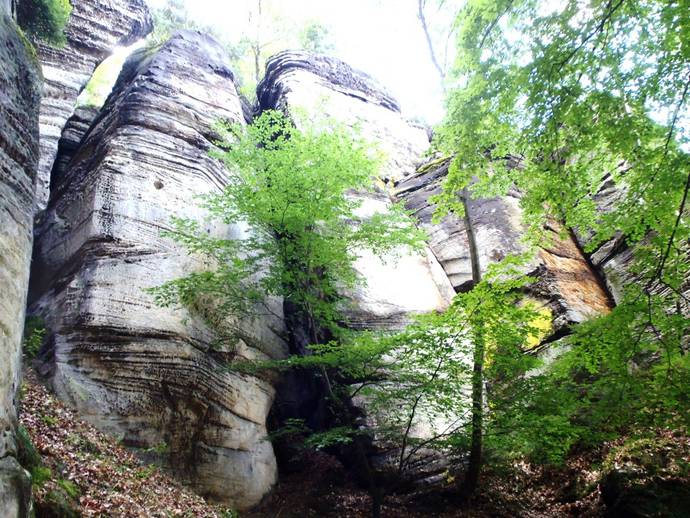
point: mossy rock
(626, 495)
(27, 455)
(645, 477)
(60, 502)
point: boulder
(568, 286)
(147, 374)
(301, 83)
(19, 105)
(93, 31)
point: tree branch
(427, 35)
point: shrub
(34, 331)
(45, 19)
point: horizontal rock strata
(138, 371)
(19, 105)
(94, 29)
(301, 83)
(327, 87)
(567, 284)
(615, 257)
(72, 134)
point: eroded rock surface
(138, 371)
(567, 284)
(323, 88)
(326, 86)
(301, 83)
(19, 105)
(94, 29)
(72, 134)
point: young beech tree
(296, 191)
(424, 374)
(580, 93)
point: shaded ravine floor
(91, 474)
(322, 489)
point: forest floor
(324, 489)
(82, 472)
(78, 471)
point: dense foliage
(420, 376)
(44, 19)
(293, 189)
(556, 100)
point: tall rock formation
(320, 86)
(94, 29)
(567, 285)
(19, 105)
(393, 291)
(144, 373)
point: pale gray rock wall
(320, 87)
(324, 86)
(138, 371)
(567, 284)
(94, 29)
(19, 104)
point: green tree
(316, 38)
(291, 188)
(427, 374)
(45, 19)
(294, 189)
(576, 94)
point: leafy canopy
(568, 89)
(45, 19)
(558, 100)
(295, 190)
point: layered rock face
(139, 371)
(72, 134)
(94, 29)
(615, 257)
(567, 284)
(301, 83)
(19, 105)
(317, 84)
(392, 291)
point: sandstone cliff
(319, 86)
(567, 284)
(149, 375)
(144, 373)
(94, 29)
(19, 105)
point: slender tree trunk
(363, 465)
(475, 460)
(477, 423)
(430, 45)
(257, 45)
